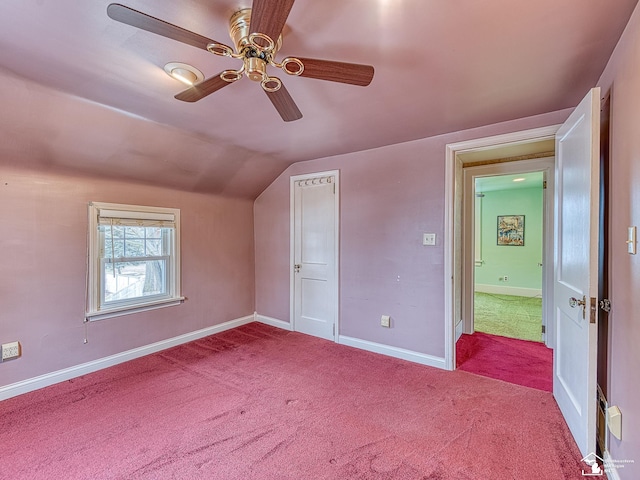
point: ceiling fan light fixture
(187, 74)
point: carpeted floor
(262, 403)
(508, 316)
(515, 361)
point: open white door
(315, 306)
(576, 268)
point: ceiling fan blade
(269, 16)
(351, 73)
(202, 89)
(151, 24)
(285, 105)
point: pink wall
(622, 79)
(389, 197)
(43, 265)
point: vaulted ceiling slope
(84, 93)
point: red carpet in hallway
(515, 361)
(262, 403)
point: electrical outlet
(11, 350)
(385, 321)
(428, 239)
(506, 279)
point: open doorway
(511, 236)
(507, 239)
(508, 252)
(503, 155)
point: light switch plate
(428, 238)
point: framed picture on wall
(511, 230)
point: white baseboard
(505, 290)
(274, 322)
(52, 378)
(612, 472)
(396, 352)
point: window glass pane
(118, 232)
(130, 280)
(154, 248)
(129, 242)
(113, 248)
(154, 232)
(133, 248)
(134, 232)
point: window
(134, 259)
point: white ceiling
(84, 93)
(507, 182)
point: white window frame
(96, 310)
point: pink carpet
(262, 403)
(515, 361)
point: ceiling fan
(256, 34)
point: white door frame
(453, 221)
(336, 198)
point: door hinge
(544, 184)
(334, 330)
(605, 305)
(544, 329)
(334, 188)
(593, 310)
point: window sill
(129, 309)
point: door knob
(574, 302)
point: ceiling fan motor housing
(240, 30)
(256, 57)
